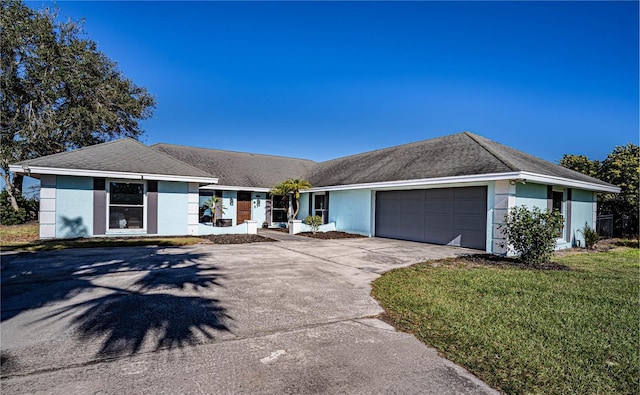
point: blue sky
(320, 80)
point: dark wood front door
(243, 206)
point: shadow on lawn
(148, 305)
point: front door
(243, 206)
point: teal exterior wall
(74, 207)
(230, 211)
(173, 208)
(259, 207)
(583, 205)
(351, 210)
(531, 195)
(304, 206)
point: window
(279, 208)
(126, 205)
(556, 205)
(320, 208)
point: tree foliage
(58, 91)
(532, 233)
(292, 187)
(620, 168)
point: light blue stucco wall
(230, 211)
(582, 208)
(304, 206)
(74, 207)
(351, 210)
(173, 208)
(259, 207)
(531, 195)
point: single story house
(453, 190)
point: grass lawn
(524, 330)
(25, 238)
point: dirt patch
(331, 235)
(601, 246)
(503, 261)
(236, 239)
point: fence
(604, 226)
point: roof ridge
(394, 146)
(176, 159)
(505, 162)
(232, 151)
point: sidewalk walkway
(282, 236)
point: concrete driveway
(293, 316)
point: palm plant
(215, 205)
(292, 186)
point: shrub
(28, 209)
(532, 233)
(590, 236)
(314, 221)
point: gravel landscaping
(331, 235)
(236, 239)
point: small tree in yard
(590, 236)
(532, 233)
(291, 186)
(314, 221)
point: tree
(291, 186)
(620, 168)
(58, 91)
(581, 164)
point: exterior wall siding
(582, 208)
(259, 207)
(352, 211)
(230, 211)
(503, 200)
(47, 215)
(193, 211)
(73, 207)
(173, 208)
(304, 206)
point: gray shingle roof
(240, 168)
(124, 155)
(453, 155)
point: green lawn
(528, 331)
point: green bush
(314, 221)
(28, 209)
(590, 236)
(532, 233)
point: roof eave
(468, 179)
(37, 170)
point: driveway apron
(291, 316)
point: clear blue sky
(321, 80)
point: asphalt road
(283, 317)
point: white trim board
(521, 177)
(28, 170)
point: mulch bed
(236, 239)
(503, 261)
(331, 235)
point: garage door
(453, 216)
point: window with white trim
(126, 205)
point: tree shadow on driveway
(124, 298)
